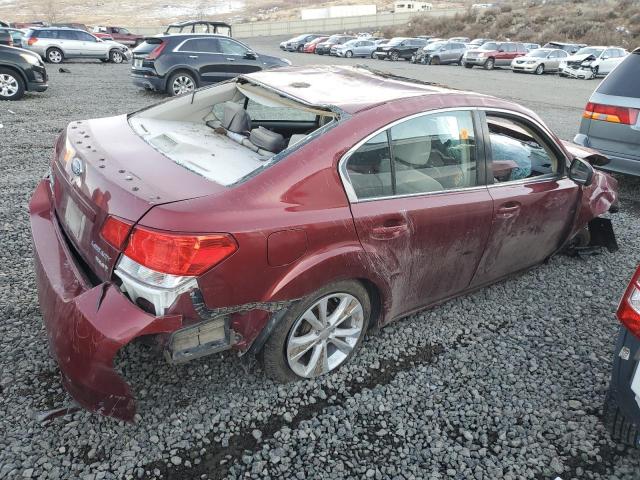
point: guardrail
(320, 25)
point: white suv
(57, 44)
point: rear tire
(180, 83)
(54, 55)
(11, 85)
(276, 355)
(620, 428)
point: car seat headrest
(235, 118)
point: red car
(494, 54)
(118, 34)
(310, 47)
(285, 212)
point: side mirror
(581, 172)
(250, 55)
(501, 50)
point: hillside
(595, 22)
(160, 12)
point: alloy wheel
(116, 57)
(54, 56)
(540, 69)
(182, 84)
(324, 335)
(8, 85)
(394, 56)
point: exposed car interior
(226, 132)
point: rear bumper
(617, 163)
(623, 374)
(86, 325)
(147, 81)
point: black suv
(399, 47)
(20, 71)
(181, 63)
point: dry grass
(595, 22)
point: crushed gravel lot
(506, 383)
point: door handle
(509, 208)
(231, 59)
(193, 56)
(389, 232)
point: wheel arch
(350, 263)
(19, 71)
(182, 68)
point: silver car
(611, 119)
(359, 47)
(57, 44)
(539, 61)
(440, 53)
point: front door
(203, 55)
(239, 58)
(534, 200)
(420, 206)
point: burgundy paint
(413, 251)
(286, 246)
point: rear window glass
(623, 81)
(147, 46)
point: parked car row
(568, 59)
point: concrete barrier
(320, 25)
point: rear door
(534, 200)
(620, 134)
(203, 55)
(420, 205)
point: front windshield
(478, 41)
(596, 52)
(489, 46)
(396, 41)
(350, 43)
(435, 46)
(333, 38)
(539, 53)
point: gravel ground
(506, 383)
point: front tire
(116, 56)
(394, 56)
(11, 85)
(348, 54)
(300, 48)
(539, 69)
(180, 83)
(54, 55)
(490, 64)
(434, 61)
(467, 65)
(319, 334)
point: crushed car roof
(352, 89)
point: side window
(201, 28)
(608, 53)
(369, 168)
(229, 47)
(518, 151)
(433, 153)
(201, 45)
(85, 37)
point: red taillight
(629, 308)
(155, 53)
(32, 40)
(115, 231)
(177, 254)
(610, 113)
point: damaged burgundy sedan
(286, 212)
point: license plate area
(74, 220)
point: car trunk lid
(102, 168)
